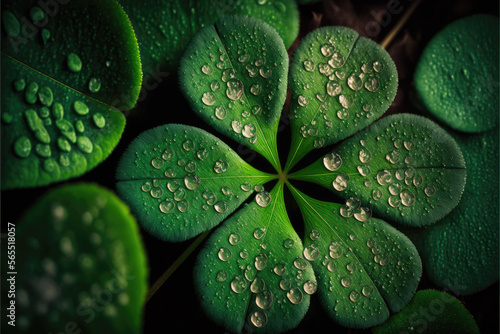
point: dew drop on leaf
(311, 253)
(372, 85)
(220, 166)
(264, 299)
(246, 186)
(285, 284)
(309, 65)
(263, 199)
(234, 238)
(384, 177)
(332, 161)
(354, 296)
(336, 250)
(310, 287)
(192, 182)
(280, 269)
(340, 182)
(238, 284)
(207, 69)
(294, 295)
(260, 261)
(74, 62)
(258, 318)
(355, 82)
(221, 206)
(430, 190)
(157, 163)
(367, 290)
(167, 206)
(288, 243)
(346, 281)
(220, 112)
(300, 263)
(221, 276)
(94, 85)
(224, 254)
(258, 233)
(378, 66)
(314, 235)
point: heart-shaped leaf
(252, 273)
(404, 167)
(181, 181)
(80, 264)
(470, 231)
(431, 311)
(364, 266)
(61, 72)
(456, 81)
(234, 74)
(340, 82)
(164, 28)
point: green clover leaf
(255, 271)
(63, 82)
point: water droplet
(220, 112)
(221, 206)
(336, 250)
(208, 98)
(310, 287)
(84, 144)
(265, 73)
(319, 142)
(243, 58)
(220, 166)
(325, 69)
(80, 108)
(258, 233)
(192, 181)
(366, 68)
(302, 100)
(346, 281)
(264, 299)
(430, 190)
(11, 23)
(367, 107)
(45, 96)
(341, 181)
(364, 170)
(294, 295)
(260, 261)
(157, 163)
(351, 267)
(244, 254)
(395, 188)
(22, 147)
(300, 263)
(43, 150)
(99, 120)
(285, 284)
(367, 290)
(327, 50)
(346, 101)
(237, 126)
(94, 85)
(63, 144)
(365, 155)
(228, 74)
(263, 199)
(156, 192)
(288, 243)
(372, 85)
(180, 194)
(354, 296)
(311, 253)
(418, 180)
(234, 89)
(146, 187)
(221, 276)
(355, 82)
(345, 211)
(343, 114)
(332, 161)
(238, 284)
(409, 145)
(309, 65)
(314, 235)
(249, 130)
(247, 186)
(207, 69)
(378, 66)
(259, 318)
(394, 201)
(330, 266)
(393, 157)
(224, 254)
(167, 206)
(280, 269)
(255, 89)
(168, 154)
(384, 177)
(74, 62)
(214, 85)
(337, 60)
(333, 88)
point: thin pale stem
(177, 263)
(388, 39)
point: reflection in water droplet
(309, 65)
(341, 181)
(314, 235)
(263, 199)
(300, 263)
(156, 192)
(336, 250)
(395, 188)
(330, 266)
(372, 85)
(376, 194)
(208, 98)
(302, 100)
(183, 206)
(355, 82)
(343, 114)
(367, 290)
(310, 287)
(247, 186)
(337, 60)
(333, 88)
(215, 85)
(430, 190)
(258, 233)
(288, 243)
(167, 206)
(285, 284)
(244, 254)
(207, 69)
(258, 318)
(332, 161)
(346, 281)
(258, 285)
(168, 154)
(394, 201)
(264, 299)
(146, 187)
(234, 238)
(221, 276)
(393, 157)
(221, 206)
(294, 295)
(311, 253)
(234, 89)
(384, 177)
(351, 267)
(354, 296)
(418, 180)
(378, 66)
(362, 214)
(238, 284)
(249, 130)
(407, 197)
(346, 101)
(260, 261)
(220, 166)
(192, 181)
(255, 89)
(364, 170)
(365, 155)
(224, 254)
(409, 145)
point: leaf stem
(388, 39)
(173, 267)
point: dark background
(175, 307)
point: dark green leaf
(80, 264)
(251, 272)
(431, 312)
(181, 181)
(456, 80)
(59, 83)
(234, 74)
(404, 167)
(364, 266)
(340, 82)
(460, 252)
(164, 28)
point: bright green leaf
(58, 86)
(82, 264)
(457, 81)
(430, 312)
(252, 273)
(364, 266)
(164, 28)
(340, 82)
(181, 181)
(234, 74)
(460, 252)
(404, 167)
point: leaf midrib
(333, 173)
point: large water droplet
(300, 263)
(167, 206)
(288, 243)
(346, 101)
(310, 287)
(372, 85)
(239, 284)
(94, 85)
(302, 100)
(367, 290)
(74, 62)
(258, 318)
(314, 235)
(311, 253)
(208, 98)
(224, 254)
(260, 261)
(393, 157)
(337, 60)
(384, 177)
(263, 199)
(294, 295)
(255, 89)
(346, 281)
(221, 276)
(249, 130)
(378, 66)
(341, 181)
(207, 69)
(309, 65)
(234, 238)
(354, 296)
(264, 299)
(280, 269)
(333, 88)
(285, 284)
(192, 181)
(258, 233)
(430, 190)
(221, 206)
(220, 166)
(355, 82)
(332, 161)
(336, 250)
(365, 155)
(394, 201)
(234, 89)
(22, 147)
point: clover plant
(255, 270)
